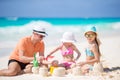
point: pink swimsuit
(65, 53)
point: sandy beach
(110, 49)
(22, 18)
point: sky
(60, 8)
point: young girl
(67, 49)
(92, 51)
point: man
(24, 52)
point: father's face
(38, 36)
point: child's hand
(55, 63)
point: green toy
(35, 62)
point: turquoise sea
(13, 28)
(14, 21)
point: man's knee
(8, 72)
(12, 73)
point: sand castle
(43, 71)
(98, 68)
(60, 71)
(76, 71)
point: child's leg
(61, 65)
(66, 65)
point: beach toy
(35, 61)
(43, 71)
(35, 68)
(54, 65)
(76, 71)
(52, 69)
(98, 68)
(59, 72)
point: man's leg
(13, 69)
(28, 68)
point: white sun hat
(68, 37)
(39, 30)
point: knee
(12, 72)
(8, 72)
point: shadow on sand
(112, 69)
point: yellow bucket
(52, 69)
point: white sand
(110, 50)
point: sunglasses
(89, 35)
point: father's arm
(23, 58)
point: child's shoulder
(94, 45)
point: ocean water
(13, 28)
